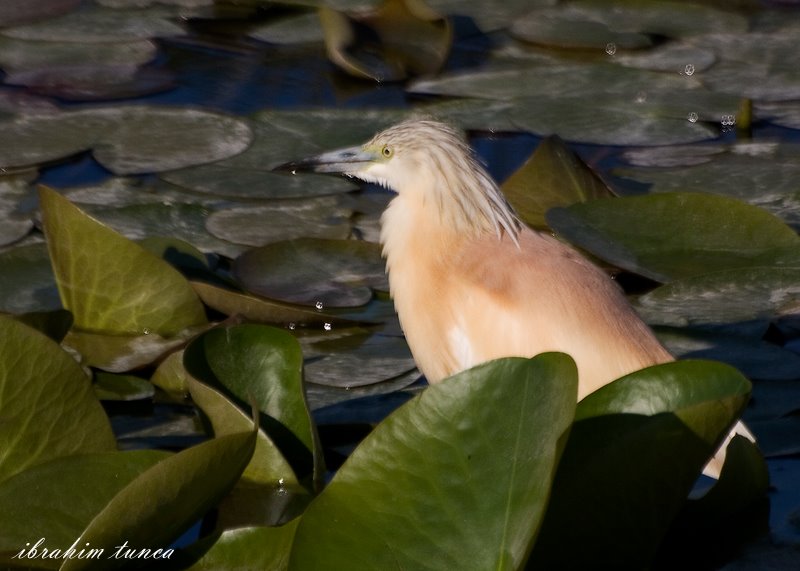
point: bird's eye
(386, 151)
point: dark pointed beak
(342, 161)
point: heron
(471, 282)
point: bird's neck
(413, 232)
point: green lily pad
(126, 139)
(95, 24)
(761, 174)
(15, 13)
(669, 236)
(672, 19)
(280, 137)
(357, 361)
(111, 387)
(772, 78)
(261, 365)
(184, 485)
(404, 38)
(140, 293)
(432, 465)
(48, 406)
(263, 310)
(322, 217)
(568, 28)
(69, 492)
(312, 271)
(13, 226)
(680, 57)
(728, 296)
(552, 176)
(754, 358)
(171, 376)
(186, 222)
(250, 548)
(636, 448)
(291, 30)
(118, 353)
(55, 324)
(269, 489)
(27, 282)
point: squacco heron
(471, 282)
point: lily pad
(184, 485)
(48, 406)
(761, 174)
(70, 491)
(323, 217)
(569, 28)
(262, 365)
(357, 360)
(264, 310)
(291, 30)
(13, 226)
(144, 295)
(672, 19)
(727, 296)
(404, 38)
(315, 272)
(184, 221)
(27, 282)
(636, 448)
(280, 137)
(772, 78)
(118, 353)
(552, 176)
(100, 25)
(250, 547)
(669, 236)
(110, 387)
(755, 358)
(126, 139)
(432, 465)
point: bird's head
(393, 158)
(431, 159)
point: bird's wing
(543, 296)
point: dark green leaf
(457, 478)
(675, 235)
(109, 283)
(47, 407)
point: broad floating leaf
(111, 387)
(264, 310)
(48, 407)
(405, 38)
(434, 465)
(564, 28)
(56, 500)
(110, 284)
(675, 235)
(727, 296)
(357, 360)
(324, 217)
(262, 365)
(314, 271)
(552, 176)
(250, 548)
(27, 282)
(268, 492)
(100, 25)
(636, 448)
(165, 500)
(126, 139)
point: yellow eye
(386, 151)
